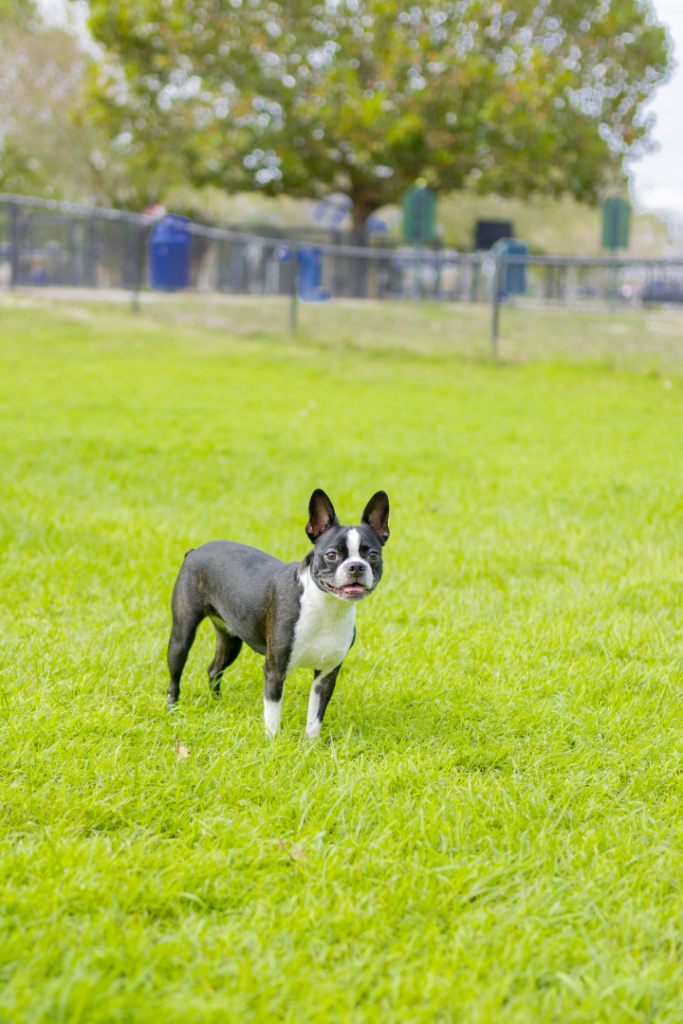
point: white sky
(656, 180)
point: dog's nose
(355, 568)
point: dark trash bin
(170, 254)
(488, 232)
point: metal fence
(47, 242)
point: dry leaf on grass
(294, 853)
(181, 751)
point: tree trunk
(362, 208)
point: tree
(519, 97)
(47, 145)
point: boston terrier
(298, 614)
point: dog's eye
(373, 556)
(332, 556)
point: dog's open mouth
(349, 590)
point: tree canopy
(47, 145)
(363, 97)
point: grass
(632, 339)
(490, 829)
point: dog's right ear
(321, 515)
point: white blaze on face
(353, 543)
(271, 716)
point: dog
(297, 614)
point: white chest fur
(324, 631)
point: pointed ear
(321, 515)
(376, 515)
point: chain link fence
(51, 243)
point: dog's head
(347, 560)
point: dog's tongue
(353, 588)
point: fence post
(137, 268)
(495, 319)
(237, 267)
(474, 282)
(464, 275)
(419, 272)
(71, 248)
(612, 286)
(437, 276)
(90, 269)
(14, 241)
(294, 302)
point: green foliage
(365, 96)
(490, 830)
(48, 144)
(16, 12)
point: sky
(656, 180)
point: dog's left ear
(376, 515)
(321, 515)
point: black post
(437, 281)
(474, 282)
(337, 270)
(137, 267)
(613, 284)
(91, 255)
(495, 320)
(237, 267)
(71, 247)
(294, 302)
(14, 241)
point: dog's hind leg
(183, 633)
(228, 646)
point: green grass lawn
(490, 829)
(628, 339)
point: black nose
(355, 568)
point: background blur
(52, 146)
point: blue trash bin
(310, 275)
(514, 282)
(170, 254)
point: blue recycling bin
(310, 275)
(170, 254)
(514, 279)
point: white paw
(271, 717)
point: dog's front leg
(272, 697)
(321, 691)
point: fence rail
(47, 242)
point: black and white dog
(299, 614)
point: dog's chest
(324, 629)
